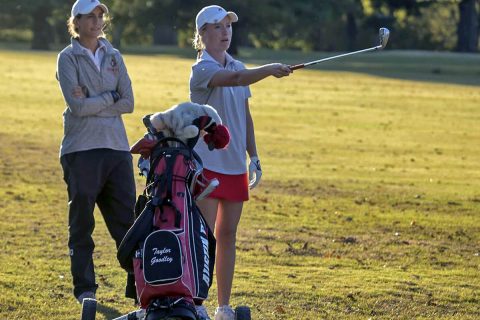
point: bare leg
(227, 221)
(209, 208)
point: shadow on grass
(108, 312)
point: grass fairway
(368, 208)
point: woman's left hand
(254, 172)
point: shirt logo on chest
(113, 65)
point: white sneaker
(202, 313)
(224, 313)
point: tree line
(309, 25)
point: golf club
(383, 33)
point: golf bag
(170, 248)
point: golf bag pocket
(162, 258)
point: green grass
(368, 207)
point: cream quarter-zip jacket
(95, 121)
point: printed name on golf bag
(162, 257)
(173, 249)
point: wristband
(115, 96)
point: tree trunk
(42, 31)
(164, 34)
(467, 30)
(351, 32)
(117, 35)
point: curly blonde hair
(73, 30)
(197, 42)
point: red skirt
(233, 187)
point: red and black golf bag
(170, 248)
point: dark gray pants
(104, 177)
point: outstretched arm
(245, 77)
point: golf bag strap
(164, 141)
(170, 163)
(151, 174)
(163, 183)
(197, 158)
(162, 147)
(167, 200)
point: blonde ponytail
(197, 43)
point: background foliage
(327, 25)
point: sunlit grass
(368, 207)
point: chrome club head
(383, 33)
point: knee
(85, 196)
(80, 236)
(226, 234)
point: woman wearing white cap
(94, 153)
(222, 82)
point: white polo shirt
(230, 105)
(98, 56)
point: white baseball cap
(87, 6)
(213, 14)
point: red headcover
(144, 147)
(218, 137)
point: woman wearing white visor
(222, 82)
(94, 153)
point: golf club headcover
(203, 122)
(143, 147)
(148, 124)
(217, 137)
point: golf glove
(254, 172)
